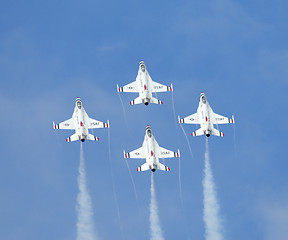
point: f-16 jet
(152, 152)
(80, 122)
(145, 87)
(206, 118)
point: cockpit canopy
(149, 133)
(142, 68)
(79, 105)
(203, 98)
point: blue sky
(54, 51)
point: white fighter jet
(80, 122)
(152, 152)
(206, 118)
(145, 87)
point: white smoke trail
(124, 112)
(113, 185)
(213, 228)
(190, 149)
(128, 167)
(85, 224)
(155, 228)
(132, 180)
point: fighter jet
(206, 118)
(145, 87)
(152, 152)
(80, 122)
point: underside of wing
(92, 123)
(68, 124)
(191, 119)
(218, 119)
(157, 87)
(131, 87)
(165, 153)
(97, 124)
(137, 153)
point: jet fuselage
(81, 129)
(150, 147)
(145, 83)
(204, 111)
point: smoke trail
(113, 185)
(234, 138)
(128, 167)
(132, 180)
(124, 112)
(174, 111)
(187, 140)
(213, 228)
(85, 225)
(155, 228)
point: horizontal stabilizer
(155, 100)
(162, 167)
(92, 137)
(137, 100)
(72, 138)
(143, 167)
(198, 132)
(217, 133)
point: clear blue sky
(54, 51)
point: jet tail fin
(143, 167)
(217, 133)
(198, 132)
(162, 167)
(92, 137)
(72, 138)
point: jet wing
(68, 124)
(191, 119)
(165, 153)
(157, 87)
(218, 119)
(92, 123)
(131, 87)
(137, 153)
(97, 124)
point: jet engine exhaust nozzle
(207, 133)
(146, 101)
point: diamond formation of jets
(145, 87)
(206, 118)
(80, 122)
(151, 151)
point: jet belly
(151, 156)
(205, 119)
(145, 91)
(82, 131)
